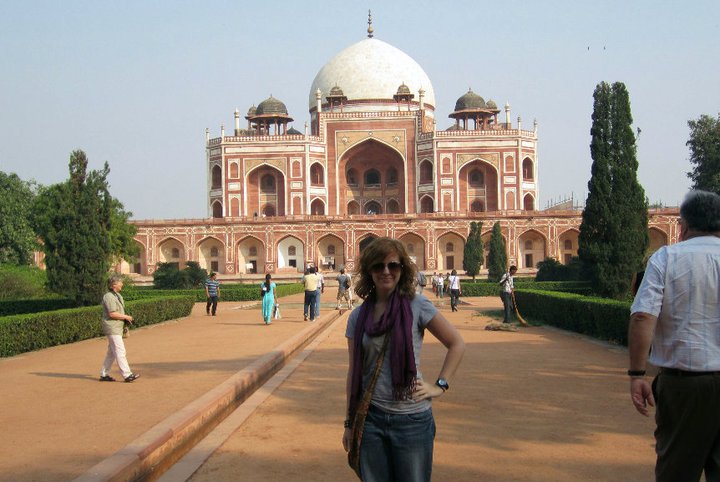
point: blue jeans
(317, 303)
(212, 301)
(397, 448)
(310, 304)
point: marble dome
(372, 69)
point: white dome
(372, 69)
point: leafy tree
(75, 221)
(122, 233)
(704, 147)
(497, 257)
(473, 253)
(17, 237)
(613, 233)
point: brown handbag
(362, 411)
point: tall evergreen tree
(497, 257)
(629, 201)
(74, 220)
(704, 144)
(17, 237)
(473, 253)
(613, 233)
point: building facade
(370, 162)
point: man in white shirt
(506, 294)
(455, 290)
(677, 312)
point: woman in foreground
(399, 431)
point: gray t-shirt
(423, 311)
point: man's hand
(641, 395)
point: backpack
(421, 279)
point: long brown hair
(375, 252)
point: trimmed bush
(600, 318)
(28, 332)
(19, 307)
(488, 288)
(237, 292)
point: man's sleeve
(650, 294)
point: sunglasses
(392, 266)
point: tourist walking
(676, 318)
(455, 290)
(439, 282)
(310, 283)
(113, 323)
(343, 292)
(399, 430)
(508, 286)
(268, 289)
(212, 291)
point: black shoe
(107, 378)
(132, 377)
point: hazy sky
(135, 83)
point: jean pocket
(420, 417)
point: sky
(136, 83)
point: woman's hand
(424, 390)
(346, 438)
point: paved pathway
(536, 405)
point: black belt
(674, 372)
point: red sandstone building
(371, 162)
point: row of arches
(290, 254)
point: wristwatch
(442, 383)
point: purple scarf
(398, 320)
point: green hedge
(489, 288)
(597, 317)
(19, 307)
(28, 332)
(227, 293)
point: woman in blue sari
(268, 301)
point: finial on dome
(370, 28)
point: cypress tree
(613, 233)
(628, 200)
(473, 253)
(497, 257)
(73, 219)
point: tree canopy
(704, 144)
(17, 237)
